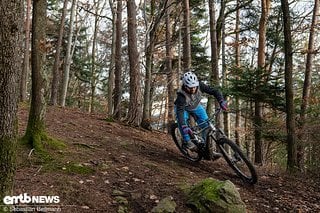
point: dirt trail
(144, 166)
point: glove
(186, 130)
(223, 105)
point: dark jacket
(189, 102)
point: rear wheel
(237, 160)
(177, 138)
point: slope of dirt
(144, 166)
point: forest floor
(104, 159)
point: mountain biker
(188, 103)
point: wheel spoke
(238, 161)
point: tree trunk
(150, 43)
(56, 74)
(93, 80)
(26, 59)
(117, 82)
(134, 111)
(67, 62)
(221, 23)
(112, 62)
(238, 65)
(179, 55)
(169, 55)
(265, 4)
(36, 121)
(149, 46)
(11, 22)
(306, 87)
(214, 75)
(186, 63)
(291, 132)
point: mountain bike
(210, 140)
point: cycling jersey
(188, 102)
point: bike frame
(198, 131)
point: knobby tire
(250, 175)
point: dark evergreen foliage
(252, 86)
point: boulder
(211, 195)
(166, 205)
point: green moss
(77, 168)
(151, 165)
(24, 105)
(7, 164)
(36, 136)
(44, 153)
(207, 188)
(43, 150)
(41, 141)
(109, 119)
(42, 144)
(211, 195)
(54, 143)
(83, 145)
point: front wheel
(237, 160)
(177, 138)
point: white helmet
(190, 79)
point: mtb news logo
(26, 199)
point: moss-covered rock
(216, 196)
(166, 205)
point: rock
(211, 195)
(123, 209)
(166, 205)
(117, 193)
(121, 200)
